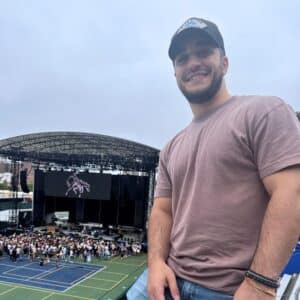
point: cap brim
(178, 41)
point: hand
(247, 291)
(160, 276)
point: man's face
(199, 70)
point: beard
(207, 94)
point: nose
(194, 62)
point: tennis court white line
(85, 276)
(100, 270)
(7, 291)
(16, 280)
(41, 280)
(44, 273)
(46, 283)
(40, 272)
(68, 285)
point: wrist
(259, 288)
(264, 270)
(262, 279)
(155, 262)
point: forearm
(159, 231)
(279, 234)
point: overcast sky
(102, 66)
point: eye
(204, 52)
(181, 59)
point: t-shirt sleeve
(276, 140)
(163, 186)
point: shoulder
(256, 108)
(260, 104)
(167, 149)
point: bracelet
(258, 288)
(262, 279)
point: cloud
(103, 67)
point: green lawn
(109, 284)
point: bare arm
(281, 225)
(160, 275)
(160, 224)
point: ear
(174, 69)
(225, 64)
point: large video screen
(78, 185)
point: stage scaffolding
(79, 151)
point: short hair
(222, 51)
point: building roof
(80, 149)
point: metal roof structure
(79, 149)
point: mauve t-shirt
(213, 171)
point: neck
(222, 96)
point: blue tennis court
(49, 276)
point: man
(226, 213)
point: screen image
(78, 185)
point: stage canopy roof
(78, 149)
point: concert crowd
(43, 247)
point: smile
(197, 75)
